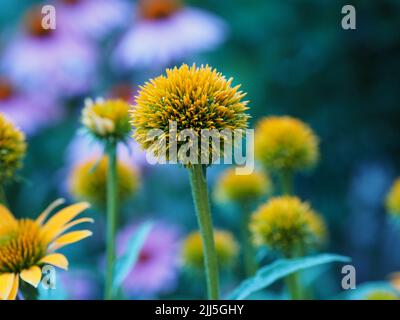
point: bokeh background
(292, 57)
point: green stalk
(250, 264)
(202, 206)
(286, 181)
(112, 208)
(293, 284)
(292, 280)
(3, 198)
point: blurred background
(292, 57)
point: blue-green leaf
(279, 269)
(125, 264)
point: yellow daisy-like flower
(26, 245)
(393, 199)
(285, 144)
(191, 98)
(288, 225)
(88, 181)
(107, 119)
(381, 295)
(12, 149)
(242, 188)
(225, 245)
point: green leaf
(125, 264)
(280, 269)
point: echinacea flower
(88, 181)
(287, 225)
(166, 31)
(26, 245)
(36, 57)
(381, 295)
(195, 98)
(107, 119)
(12, 149)
(156, 271)
(285, 144)
(225, 244)
(29, 110)
(93, 19)
(235, 188)
(108, 122)
(393, 199)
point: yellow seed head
(88, 181)
(107, 119)
(393, 199)
(242, 188)
(21, 246)
(287, 225)
(12, 149)
(225, 245)
(194, 98)
(285, 143)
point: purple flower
(30, 111)
(156, 270)
(43, 60)
(163, 34)
(83, 148)
(94, 19)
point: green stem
(292, 280)
(202, 206)
(3, 198)
(293, 284)
(112, 209)
(250, 264)
(286, 182)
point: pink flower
(30, 111)
(94, 19)
(165, 32)
(83, 148)
(49, 60)
(156, 270)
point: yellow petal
(49, 209)
(6, 216)
(57, 222)
(33, 275)
(14, 290)
(6, 285)
(69, 238)
(56, 259)
(74, 223)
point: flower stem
(286, 182)
(292, 280)
(112, 207)
(202, 206)
(293, 284)
(250, 264)
(3, 198)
